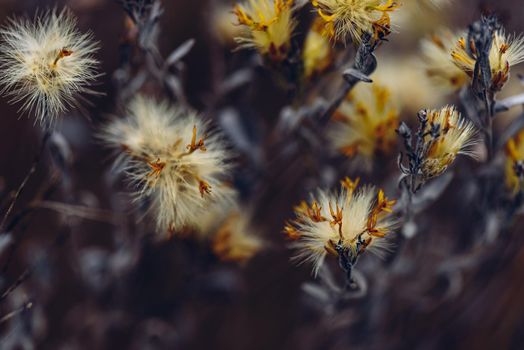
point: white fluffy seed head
(174, 160)
(47, 63)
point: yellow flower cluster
(354, 219)
(269, 25)
(365, 123)
(514, 158)
(349, 19)
(318, 54)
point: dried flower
(235, 240)
(437, 62)
(514, 163)
(506, 51)
(269, 24)
(352, 221)
(317, 54)
(445, 135)
(346, 19)
(365, 123)
(47, 63)
(173, 159)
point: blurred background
(97, 281)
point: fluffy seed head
(446, 135)
(47, 63)
(436, 53)
(357, 219)
(269, 24)
(365, 124)
(514, 163)
(506, 51)
(349, 19)
(173, 159)
(235, 240)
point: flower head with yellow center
(436, 52)
(353, 220)
(174, 160)
(445, 135)
(514, 163)
(47, 63)
(506, 51)
(349, 19)
(269, 25)
(365, 123)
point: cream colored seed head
(349, 19)
(268, 26)
(47, 63)
(357, 219)
(506, 51)
(456, 136)
(436, 53)
(174, 161)
(365, 124)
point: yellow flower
(318, 53)
(269, 25)
(235, 240)
(437, 62)
(365, 123)
(355, 219)
(514, 157)
(174, 160)
(446, 135)
(505, 52)
(47, 63)
(346, 19)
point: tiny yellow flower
(446, 135)
(514, 158)
(436, 56)
(174, 160)
(506, 51)
(318, 53)
(365, 124)
(269, 25)
(349, 19)
(355, 219)
(47, 63)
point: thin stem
(22, 186)
(26, 306)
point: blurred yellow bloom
(439, 67)
(355, 219)
(269, 25)
(349, 19)
(446, 135)
(318, 53)
(506, 51)
(365, 123)
(514, 157)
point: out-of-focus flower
(436, 59)
(506, 51)
(47, 63)
(224, 26)
(514, 163)
(269, 25)
(365, 123)
(353, 220)
(173, 158)
(318, 53)
(235, 240)
(446, 134)
(344, 19)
